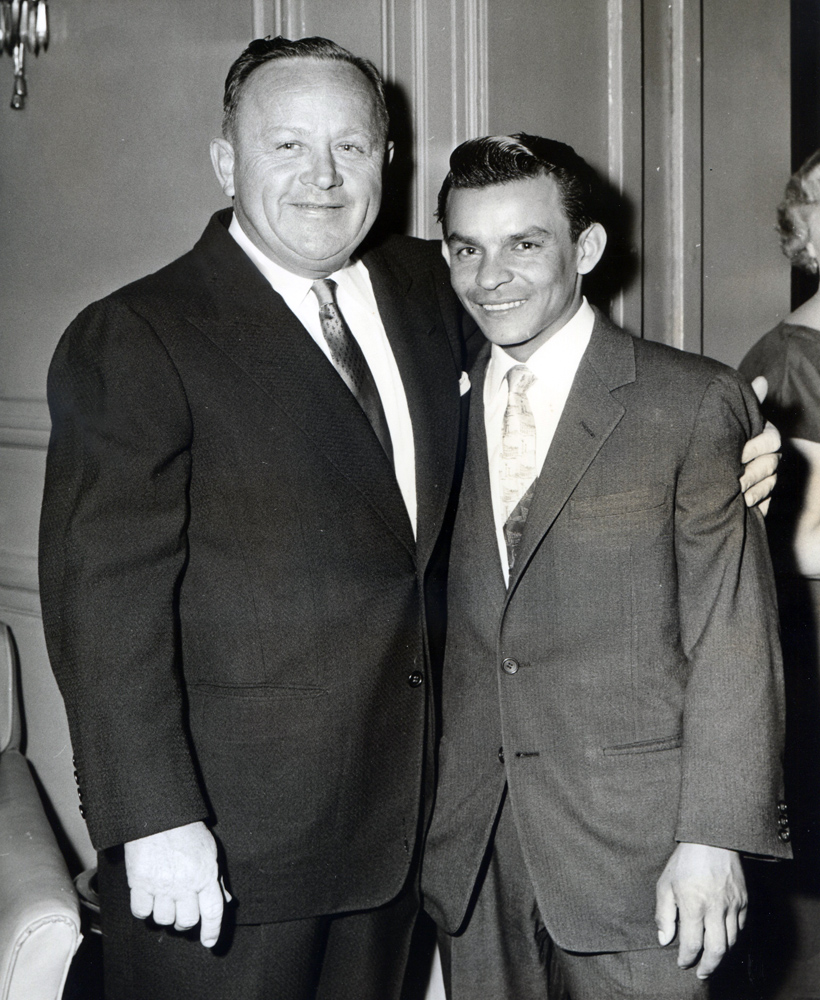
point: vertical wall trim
(615, 100)
(258, 15)
(289, 18)
(625, 139)
(420, 91)
(475, 65)
(469, 113)
(675, 166)
(279, 17)
(455, 129)
(267, 18)
(615, 46)
(685, 166)
(388, 22)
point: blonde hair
(803, 189)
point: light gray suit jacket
(631, 671)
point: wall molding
(262, 13)
(388, 25)
(469, 100)
(421, 114)
(625, 136)
(685, 154)
(278, 17)
(24, 423)
(673, 176)
(476, 58)
(19, 602)
(18, 572)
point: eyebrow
(527, 234)
(276, 128)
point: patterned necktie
(517, 471)
(349, 361)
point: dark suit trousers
(505, 951)
(359, 956)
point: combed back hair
(803, 189)
(265, 50)
(499, 159)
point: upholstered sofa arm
(39, 912)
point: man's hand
(760, 456)
(174, 876)
(705, 887)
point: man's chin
(321, 253)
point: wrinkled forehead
(308, 92)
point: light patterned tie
(517, 469)
(349, 361)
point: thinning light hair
(265, 50)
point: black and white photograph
(409, 500)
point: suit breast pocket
(644, 746)
(640, 501)
(625, 516)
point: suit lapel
(589, 417)
(256, 331)
(476, 533)
(419, 341)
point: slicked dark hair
(500, 159)
(265, 50)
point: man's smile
(312, 206)
(501, 306)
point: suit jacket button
(784, 836)
(501, 755)
(509, 665)
(415, 679)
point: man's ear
(591, 244)
(222, 158)
(445, 251)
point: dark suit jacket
(232, 595)
(631, 672)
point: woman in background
(789, 357)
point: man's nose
(492, 272)
(321, 171)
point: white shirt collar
(561, 353)
(293, 288)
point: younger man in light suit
(612, 699)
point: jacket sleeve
(733, 729)
(112, 558)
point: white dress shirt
(554, 365)
(357, 303)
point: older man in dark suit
(251, 462)
(612, 707)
